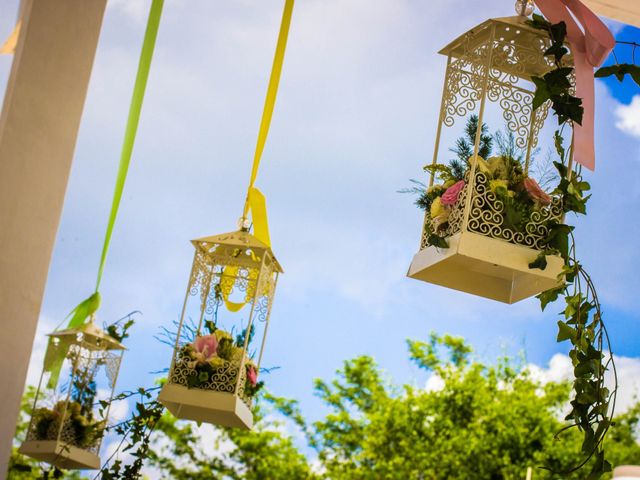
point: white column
(38, 128)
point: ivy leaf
(600, 466)
(568, 107)
(539, 22)
(542, 93)
(549, 296)
(540, 261)
(559, 238)
(558, 80)
(620, 71)
(437, 241)
(558, 142)
(565, 332)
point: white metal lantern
(222, 331)
(491, 65)
(74, 395)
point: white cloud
(629, 117)
(136, 10)
(435, 383)
(560, 368)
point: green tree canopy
(484, 421)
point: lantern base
(60, 454)
(218, 408)
(486, 267)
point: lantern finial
(524, 8)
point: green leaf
(437, 241)
(542, 93)
(539, 22)
(549, 296)
(558, 142)
(620, 71)
(565, 332)
(540, 261)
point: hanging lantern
(222, 330)
(478, 237)
(71, 406)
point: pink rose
(205, 348)
(252, 375)
(450, 196)
(535, 192)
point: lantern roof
(92, 336)
(483, 31)
(239, 238)
(513, 34)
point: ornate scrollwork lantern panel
(478, 237)
(222, 331)
(74, 395)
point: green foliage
(486, 421)
(581, 325)
(465, 145)
(135, 435)
(119, 330)
(456, 169)
(83, 430)
(24, 468)
(555, 86)
(264, 453)
(619, 71)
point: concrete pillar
(38, 128)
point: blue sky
(355, 119)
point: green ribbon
(89, 306)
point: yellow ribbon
(227, 282)
(255, 199)
(9, 46)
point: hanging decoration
(487, 217)
(490, 228)
(69, 417)
(216, 360)
(74, 423)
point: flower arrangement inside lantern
(71, 406)
(216, 360)
(486, 217)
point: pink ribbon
(589, 48)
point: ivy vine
(582, 325)
(135, 434)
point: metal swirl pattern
(486, 217)
(223, 379)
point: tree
(485, 421)
(265, 453)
